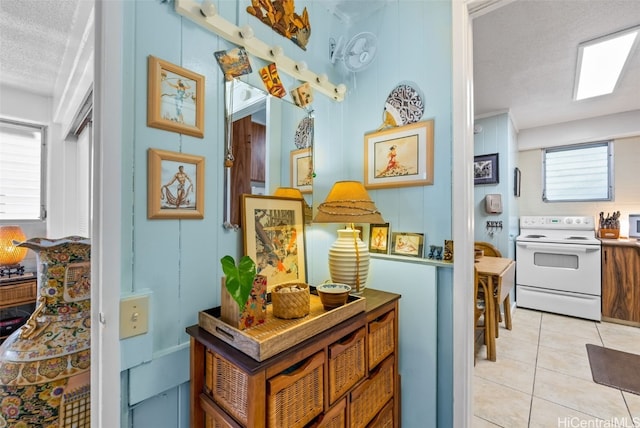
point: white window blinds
(20, 170)
(578, 173)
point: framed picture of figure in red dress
(399, 156)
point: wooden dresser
(621, 281)
(346, 376)
(15, 292)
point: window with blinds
(578, 173)
(21, 150)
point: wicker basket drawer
(214, 416)
(346, 364)
(371, 396)
(384, 419)
(229, 386)
(296, 396)
(24, 292)
(380, 339)
(336, 417)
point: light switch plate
(134, 316)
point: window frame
(575, 147)
(43, 168)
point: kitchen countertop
(622, 242)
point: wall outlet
(134, 316)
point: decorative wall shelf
(206, 16)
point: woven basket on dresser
(371, 396)
(336, 417)
(346, 364)
(296, 396)
(229, 386)
(17, 293)
(219, 420)
(381, 342)
(384, 419)
(290, 305)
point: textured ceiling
(525, 55)
(34, 35)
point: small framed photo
(485, 169)
(379, 238)
(273, 230)
(175, 185)
(399, 157)
(407, 244)
(301, 170)
(175, 99)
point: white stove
(561, 230)
(559, 265)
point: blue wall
(496, 134)
(176, 262)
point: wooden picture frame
(401, 156)
(301, 170)
(486, 169)
(407, 244)
(379, 238)
(273, 232)
(175, 185)
(175, 98)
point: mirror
(261, 131)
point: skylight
(600, 63)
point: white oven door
(573, 268)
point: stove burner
(577, 237)
(536, 236)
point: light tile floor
(542, 376)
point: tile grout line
(535, 371)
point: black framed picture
(485, 169)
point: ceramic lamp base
(348, 265)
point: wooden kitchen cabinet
(621, 281)
(345, 376)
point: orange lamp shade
(9, 253)
(288, 192)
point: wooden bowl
(333, 294)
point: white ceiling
(524, 53)
(525, 56)
(34, 37)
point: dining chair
(479, 309)
(491, 251)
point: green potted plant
(244, 293)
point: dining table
(500, 274)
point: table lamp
(348, 202)
(10, 255)
(292, 192)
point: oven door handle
(564, 248)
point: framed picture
(379, 238)
(175, 99)
(273, 230)
(517, 179)
(301, 170)
(485, 169)
(407, 244)
(175, 185)
(399, 157)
